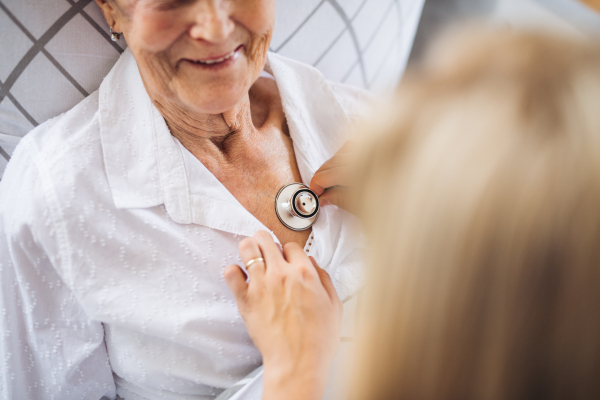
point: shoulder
(63, 134)
(58, 140)
(52, 155)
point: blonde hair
(480, 188)
(594, 4)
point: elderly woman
(118, 218)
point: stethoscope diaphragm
(297, 206)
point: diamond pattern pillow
(56, 52)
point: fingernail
(324, 202)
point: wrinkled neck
(210, 136)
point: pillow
(56, 52)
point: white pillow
(56, 52)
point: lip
(218, 60)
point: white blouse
(114, 238)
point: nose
(212, 22)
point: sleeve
(49, 348)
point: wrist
(293, 381)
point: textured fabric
(56, 52)
(114, 239)
(249, 387)
(338, 387)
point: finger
(249, 250)
(327, 172)
(299, 263)
(325, 281)
(294, 254)
(338, 161)
(328, 178)
(338, 197)
(349, 146)
(269, 249)
(335, 162)
(236, 280)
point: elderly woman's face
(200, 54)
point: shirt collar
(312, 111)
(146, 166)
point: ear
(111, 14)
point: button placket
(309, 243)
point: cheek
(258, 17)
(156, 31)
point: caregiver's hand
(293, 315)
(332, 178)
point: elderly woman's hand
(293, 315)
(331, 180)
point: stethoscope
(297, 206)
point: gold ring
(254, 260)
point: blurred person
(594, 4)
(480, 190)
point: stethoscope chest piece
(297, 206)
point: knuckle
(305, 270)
(291, 246)
(247, 244)
(277, 277)
(262, 235)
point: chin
(215, 100)
(219, 105)
(214, 109)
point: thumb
(337, 196)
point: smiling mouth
(230, 56)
